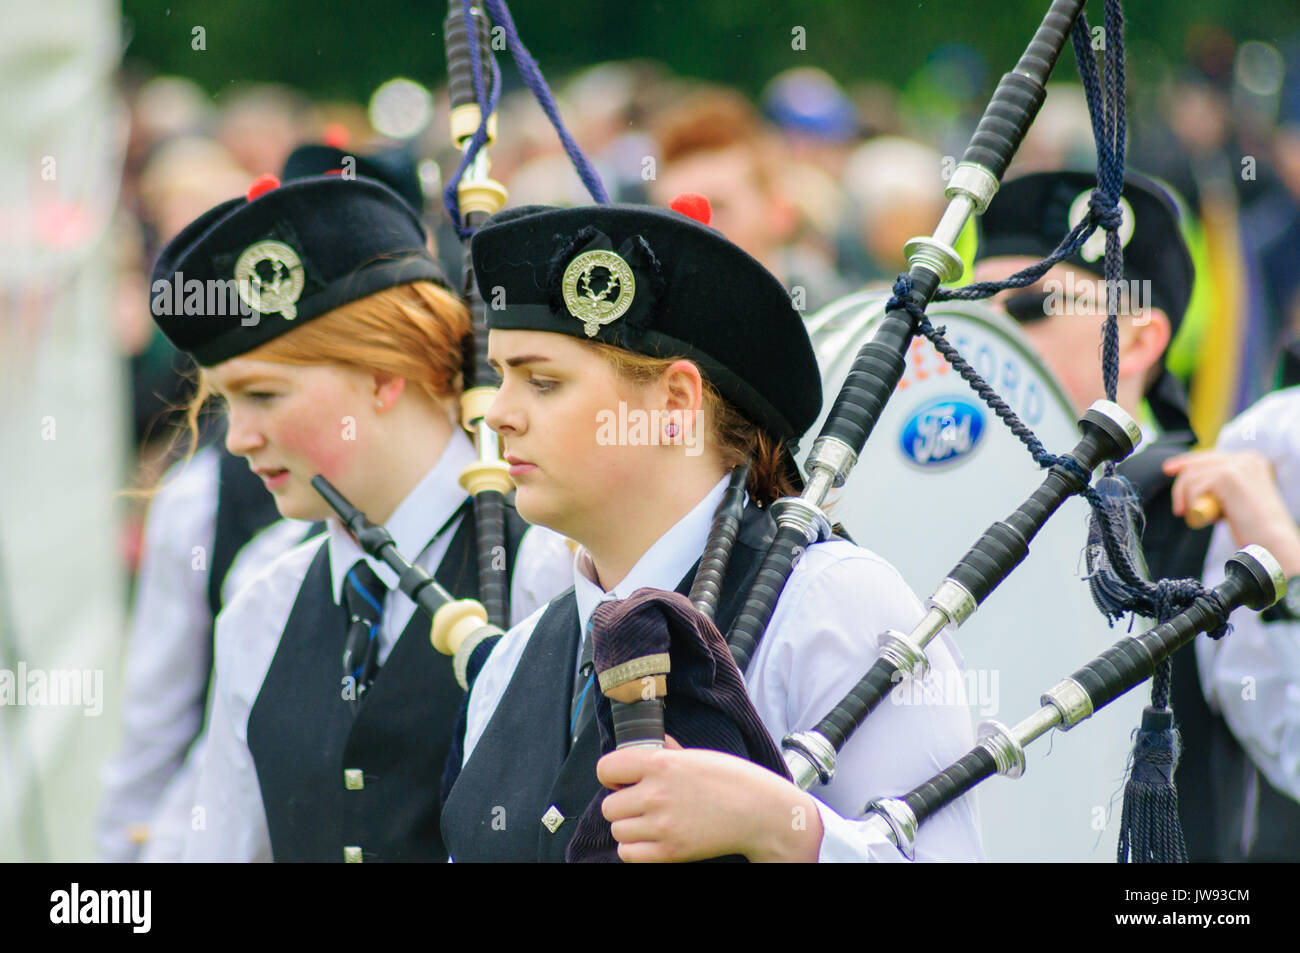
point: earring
(379, 405)
(671, 431)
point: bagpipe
(880, 363)
(1254, 579)
(461, 627)
(1108, 435)
(637, 641)
(466, 39)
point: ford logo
(942, 431)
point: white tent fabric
(63, 432)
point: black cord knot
(1105, 210)
(903, 295)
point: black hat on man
(1031, 214)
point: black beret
(659, 283)
(248, 271)
(1031, 214)
(396, 168)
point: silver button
(552, 819)
(353, 779)
(351, 855)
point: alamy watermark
(212, 297)
(968, 687)
(53, 688)
(649, 428)
(133, 908)
(1090, 297)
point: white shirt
(228, 820)
(171, 819)
(1252, 675)
(168, 657)
(821, 640)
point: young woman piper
(643, 357)
(317, 315)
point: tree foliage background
(346, 49)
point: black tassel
(1149, 830)
(1111, 594)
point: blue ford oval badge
(942, 431)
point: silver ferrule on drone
(1008, 753)
(829, 464)
(1070, 699)
(810, 758)
(797, 512)
(1277, 575)
(892, 817)
(950, 604)
(954, 600)
(1121, 417)
(975, 183)
(935, 253)
(906, 652)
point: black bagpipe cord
(1150, 830)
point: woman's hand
(676, 805)
(1243, 483)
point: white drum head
(939, 468)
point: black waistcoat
(522, 764)
(303, 734)
(1218, 785)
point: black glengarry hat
(660, 283)
(396, 168)
(257, 267)
(1032, 213)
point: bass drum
(939, 468)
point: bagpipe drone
(1149, 830)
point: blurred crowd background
(822, 178)
(822, 134)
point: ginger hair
(418, 331)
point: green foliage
(347, 49)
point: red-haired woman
(318, 317)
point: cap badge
(1095, 246)
(597, 308)
(269, 277)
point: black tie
(582, 707)
(363, 594)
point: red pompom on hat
(261, 185)
(693, 206)
(335, 134)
